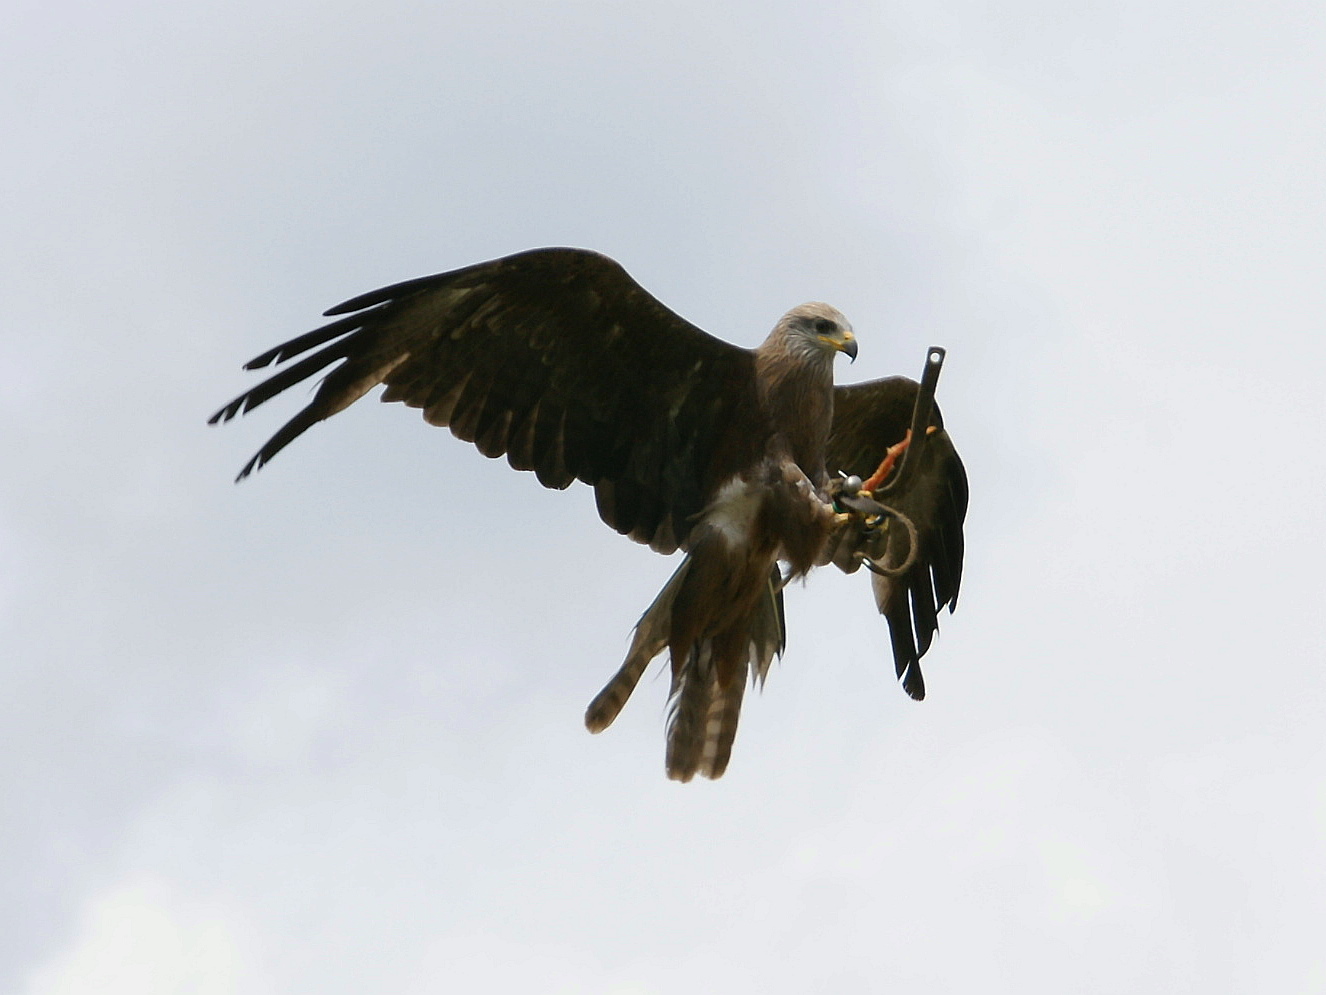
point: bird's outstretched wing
(556, 358)
(867, 419)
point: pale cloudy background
(322, 732)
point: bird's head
(816, 329)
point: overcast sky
(321, 732)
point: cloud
(143, 937)
(336, 711)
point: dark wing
(555, 358)
(867, 419)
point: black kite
(742, 458)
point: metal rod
(921, 410)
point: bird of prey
(750, 461)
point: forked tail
(706, 696)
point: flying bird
(750, 461)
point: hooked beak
(848, 345)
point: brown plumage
(935, 500)
(558, 360)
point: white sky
(322, 732)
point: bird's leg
(850, 504)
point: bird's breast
(734, 511)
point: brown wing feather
(556, 358)
(867, 419)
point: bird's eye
(825, 327)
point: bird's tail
(707, 688)
(705, 711)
